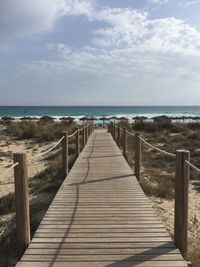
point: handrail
(156, 148)
(47, 151)
(9, 169)
(81, 129)
(192, 166)
(132, 134)
(71, 135)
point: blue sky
(100, 52)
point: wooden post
(89, 129)
(181, 200)
(114, 131)
(137, 155)
(21, 202)
(86, 132)
(65, 153)
(111, 129)
(124, 142)
(78, 142)
(83, 140)
(118, 136)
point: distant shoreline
(92, 106)
(99, 111)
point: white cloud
(132, 51)
(133, 29)
(132, 43)
(188, 3)
(21, 18)
(157, 2)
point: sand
(8, 146)
(165, 211)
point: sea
(99, 111)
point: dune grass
(38, 130)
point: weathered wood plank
(105, 263)
(101, 251)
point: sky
(100, 52)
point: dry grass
(38, 130)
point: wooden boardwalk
(101, 217)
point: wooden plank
(101, 251)
(99, 226)
(105, 263)
(150, 245)
(91, 258)
(102, 230)
(100, 239)
(96, 235)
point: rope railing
(81, 129)
(132, 134)
(71, 135)
(156, 148)
(47, 151)
(8, 170)
(192, 166)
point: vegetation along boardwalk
(101, 217)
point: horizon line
(82, 106)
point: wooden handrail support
(124, 143)
(114, 131)
(137, 155)
(181, 201)
(65, 154)
(118, 136)
(78, 142)
(83, 136)
(21, 202)
(90, 127)
(111, 129)
(86, 132)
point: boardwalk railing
(182, 175)
(20, 167)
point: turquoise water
(78, 112)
